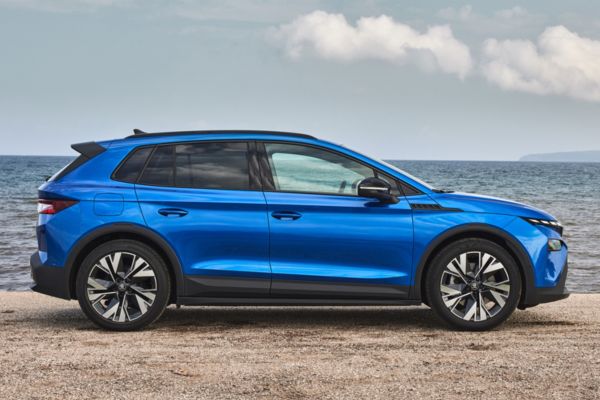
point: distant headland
(569, 156)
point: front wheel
(123, 285)
(473, 284)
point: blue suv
(274, 218)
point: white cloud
(562, 63)
(330, 36)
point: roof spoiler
(88, 149)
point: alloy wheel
(121, 286)
(475, 286)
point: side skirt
(223, 301)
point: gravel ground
(49, 350)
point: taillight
(53, 206)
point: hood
(487, 204)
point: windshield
(403, 172)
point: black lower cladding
(282, 301)
(218, 286)
(48, 280)
(228, 290)
(547, 295)
(336, 290)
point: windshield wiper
(442, 191)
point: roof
(137, 133)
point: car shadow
(325, 318)
(300, 317)
(221, 317)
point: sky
(396, 80)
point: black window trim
(260, 176)
(254, 180)
(268, 182)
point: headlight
(547, 223)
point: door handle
(172, 212)
(286, 215)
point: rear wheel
(123, 285)
(473, 284)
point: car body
(264, 218)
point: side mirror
(376, 188)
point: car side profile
(273, 218)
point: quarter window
(297, 168)
(131, 168)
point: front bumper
(49, 280)
(535, 296)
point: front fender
(475, 230)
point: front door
(326, 241)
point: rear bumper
(48, 280)
(546, 295)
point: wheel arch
(476, 231)
(117, 231)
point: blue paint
(282, 236)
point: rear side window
(209, 165)
(160, 168)
(131, 168)
(212, 166)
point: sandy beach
(49, 350)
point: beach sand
(49, 350)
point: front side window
(203, 165)
(298, 168)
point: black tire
(158, 278)
(439, 275)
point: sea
(569, 191)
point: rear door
(205, 200)
(326, 241)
